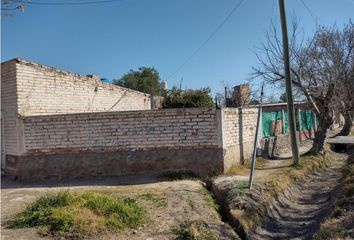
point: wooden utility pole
(288, 85)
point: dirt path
(298, 212)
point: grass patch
(158, 200)
(239, 188)
(193, 230)
(210, 201)
(244, 169)
(74, 215)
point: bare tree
(344, 90)
(317, 68)
(332, 57)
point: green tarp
(267, 119)
(306, 121)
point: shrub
(177, 98)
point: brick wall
(131, 130)
(238, 131)
(231, 126)
(249, 123)
(9, 108)
(45, 90)
(54, 120)
(201, 140)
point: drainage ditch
(224, 210)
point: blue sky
(110, 39)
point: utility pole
(288, 85)
(226, 96)
(254, 155)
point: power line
(207, 40)
(72, 3)
(312, 14)
(9, 9)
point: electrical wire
(208, 39)
(71, 3)
(312, 14)
(9, 9)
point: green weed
(210, 201)
(158, 200)
(71, 214)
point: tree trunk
(320, 136)
(348, 123)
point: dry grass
(283, 177)
(341, 223)
(194, 230)
(244, 169)
(269, 186)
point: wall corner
(20, 136)
(219, 128)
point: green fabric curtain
(306, 120)
(286, 122)
(267, 119)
